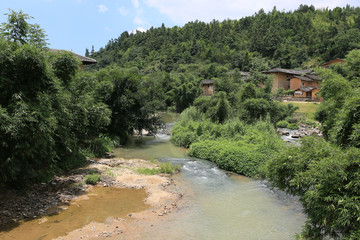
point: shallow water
(152, 147)
(101, 204)
(219, 205)
(288, 138)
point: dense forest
(303, 38)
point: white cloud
(102, 8)
(108, 29)
(139, 29)
(135, 3)
(123, 11)
(182, 11)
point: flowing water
(219, 205)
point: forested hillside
(305, 37)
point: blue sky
(79, 24)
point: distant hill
(301, 38)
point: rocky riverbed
(290, 135)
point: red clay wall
(295, 83)
(280, 81)
(208, 89)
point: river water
(218, 205)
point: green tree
(65, 66)
(339, 112)
(222, 108)
(18, 30)
(325, 177)
(133, 108)
(48, 113)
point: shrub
(293, 126)
(168, 168)
(101, 145)
(282, 124)
(245, 157)
(92, 179)
(326, 178)
(280, 92)
(289, 92)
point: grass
(306, 109)
(166, 168)
(92, 178)
(148, 171)
(109, 172)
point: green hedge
(231, 156)
(233, 146)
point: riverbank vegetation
(240, 136)
(325, 172)
(48, 113)
(52, 115)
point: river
(219, 205)
(215, 205)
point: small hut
(84, 60)
(208, 87)
(334, 61)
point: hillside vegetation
(305, 37)
(173, 61)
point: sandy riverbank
(163, 199)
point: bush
(92, 179)
(231, 156)
(326, 178)
(279, 92)
(168, 168)
(293, 126)
(239, 157)
(282, 124)
(289, 92)
(101, 145)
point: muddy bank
(162, 198)
(39, 199)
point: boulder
(296, 135)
